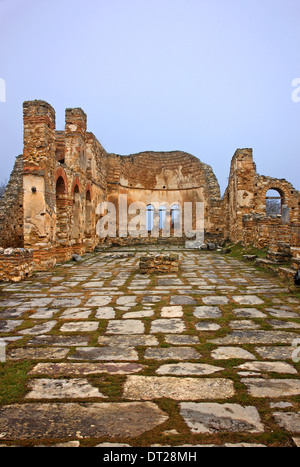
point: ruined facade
(51, 204)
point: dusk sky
(202, 76)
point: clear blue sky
(203, 76)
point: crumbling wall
(11, 209)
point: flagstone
(8, 326)
(128, 341)
(172, 325)
(66, 302)
(276, 367)
(172, 353)
(39, 328)
(215, 300)
(244, 324)
(183, 369)
(207, 326)
(76, 313)
(85, 369)
(89, 420)
(181, 339)
(74, 388)
(98, 300)
(154, 387)
(203, 312)
(126, 326)
(290, 421)
(272, 387)
(275, 353)
(227, 353)
(171, 311)
(57, 340)
(216, 418)
(37, 354)
(80, 326)
(282, 313)
(249, 313)
(182, 300)
(138, 314)
(247, 300)
(257, 337)
(105, 312)
(109, 353)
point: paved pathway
(202, 357)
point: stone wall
(11, 209)
(15, 264)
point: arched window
(162, 217)
(274, 202)
(76, 213)
(175, 216)
(149, 217)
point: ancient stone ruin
(51, 204)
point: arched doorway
(274, 203)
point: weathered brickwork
(15, 264)
(159, 264)
(51, 204)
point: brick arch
(278, 186)
(61, 173)
(76, 182)
(89, 188)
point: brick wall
(15, 264)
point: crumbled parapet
(160, 264)
(16, 264)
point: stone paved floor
(101, 354)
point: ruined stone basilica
(49, 209)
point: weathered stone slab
(172, 353)
(249, 313)
(138, 314)
(207, 326)
(227, 353)
(182, 369)
(203, 312)
(181, 339)
(75, 388)
(275, 353)
(8, 326)
(98, 300)
(153, 387)
(128, 341)
(39, 329)
(215, 418)
(105, 312)
(80, 326)
(64, 341)
(272, 387)
(105, 353)
(182, 300)
(37, 354)
(248, 300)
(75, 313)
(85, 369)
(90, 420)
(215, 300)
(62, 302)
(290, 421)
(257, 337)
(244, 324)
(172, 325)
(126, 300)
(172, 311)
(129, 326)
(276, 367)
(282, 313)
